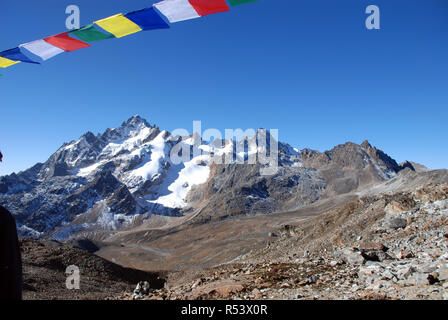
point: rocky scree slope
(388, 246)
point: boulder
(387, 275)
(433, 278)
(371, 246)
(443, 274)
(405, 272)
(426, 268)
(373, 251)
(350, 256)
(141, 290)
(405, 254)
(375, 255)
(333, 263)
(425, 279)
(420, 279)
(395, 223)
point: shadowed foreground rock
(10, 261)
(45, 263)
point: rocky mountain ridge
(124, 176)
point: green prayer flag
(238, 2)
(89, 33)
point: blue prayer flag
(16, 55)
(147, 19)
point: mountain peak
(89, 137)
(366, 145)
(130, 128)
(135, 121)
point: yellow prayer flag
(118, 25)
(4, 63)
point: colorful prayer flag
(16, 55)
(66, 43)
(238, 2)
(177, 10)
(118, 25)
(147, 19)
(206, 7)
(4, 63)
(90, 34)
(42, 49)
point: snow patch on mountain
(195, 172)
(84, 172)
(110, 220)
(158, 150)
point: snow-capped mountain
(125, 175)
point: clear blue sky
(307, 67)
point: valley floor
(387, 246)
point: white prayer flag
(42, 49)
(177, 10)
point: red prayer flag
(206, 7)
(65, 42)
